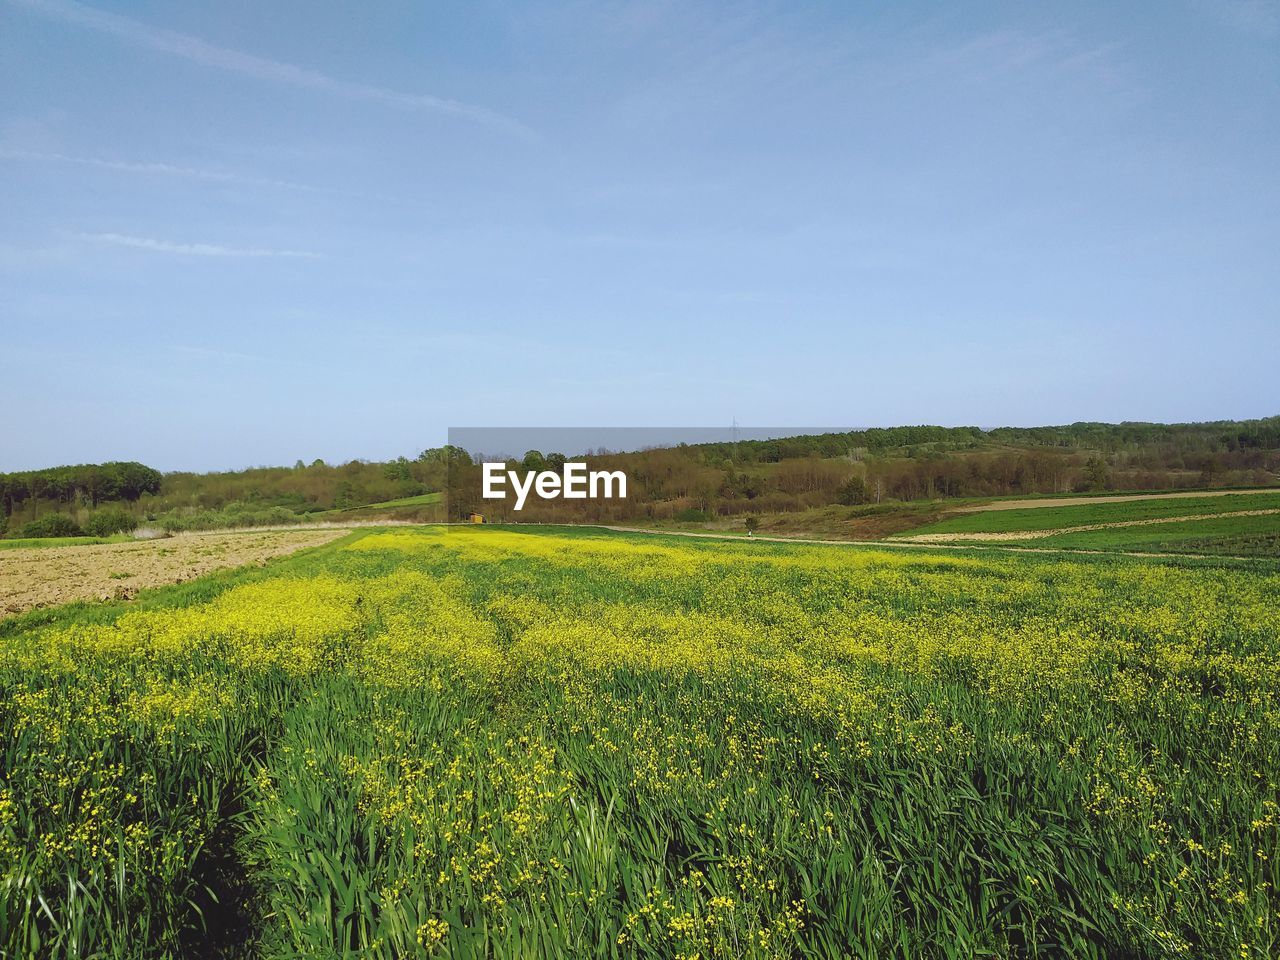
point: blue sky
(243, 233)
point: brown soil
(47, 576)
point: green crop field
(561, 743)
(421, 500)
(1243, 536)
(61, 541)
(1053, 518)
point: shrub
(853, 492)
(235, 514)
(691, 516)
(52, 525)
(106, 522)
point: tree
(753, 524)
(449, 454)
(853, 492)
(1096, 474)
(345, 497)
(397, 469)
(534, 461)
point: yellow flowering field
(563, 743)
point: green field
(421, 500)
(1222, 535)
(418, 501)
(473, 742)
(1052, 518)
(61, 541)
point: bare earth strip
(48, 576)
(1085, 528)
(1115, 498)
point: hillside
(863, 484)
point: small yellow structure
(476, 518)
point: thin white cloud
(194, 249)
(262, 68)
(159, 169)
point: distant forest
(687, 482)
(906, 464)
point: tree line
(698, 482)
(852, 468)
(92, 483)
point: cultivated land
(566, 742)
(41, 576)
(1026, 503)
(1235, 523)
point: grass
(422, 499)
(1052, 518)
(865, 522)
(563, 742)
(1223, 535)
(38, 542)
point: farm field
(999, 518)
(465, 742)
(421, 499)
(36, 543)
(1237, 524)
(1043, 501)
(1239, 534)
(50, 573)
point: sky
(244, 233)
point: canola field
(490, 743)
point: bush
(52, 525)
(235, 514)
(691, 516)
(853, 492)
(104, 523)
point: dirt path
(901, 545)
(47, 576)
(1116, 498)
(982, 537)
